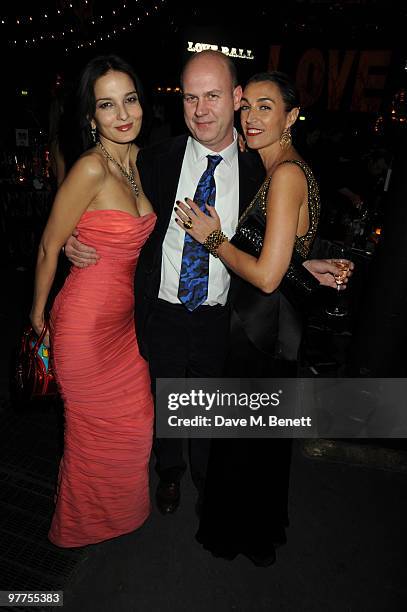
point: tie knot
(213, 161)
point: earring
(93, 133)
(285, 139)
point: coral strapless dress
(103, 488)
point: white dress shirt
(227, 206)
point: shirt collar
(199, 151)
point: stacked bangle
(214, 240)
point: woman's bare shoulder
(91, 164)
(288, 180)
(289, 169)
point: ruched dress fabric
(103, 489)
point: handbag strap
(38, 343)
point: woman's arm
(57, 162)
(287, 192)
(74, 196)
(60, 166)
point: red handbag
(35, 376)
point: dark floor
(346, 541)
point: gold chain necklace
(127, 175)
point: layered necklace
(127, 175)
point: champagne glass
(340, 257)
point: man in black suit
(179, 342)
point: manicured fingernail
(175, 208)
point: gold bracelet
(214, 240)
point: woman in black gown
(245, 504)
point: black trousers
(183, 344)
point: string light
(168, 89)
(117, 28)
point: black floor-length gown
(244, 508)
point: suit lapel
(169, 165)
(251, 175)
(169, 171)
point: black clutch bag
(298, 285)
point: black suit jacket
(160, 169)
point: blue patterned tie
(193, 282)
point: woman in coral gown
(103, 487)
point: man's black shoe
(261, 560)
(168, 496)
(198, 506)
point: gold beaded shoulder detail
(260, 199)
(303, 243)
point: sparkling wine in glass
(341, 261)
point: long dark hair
(86, 103)
(286, 85)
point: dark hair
(211, 53)
(94, 69)
(286, 85)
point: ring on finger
(188, 223)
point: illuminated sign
(341, 79)
(234, 52)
